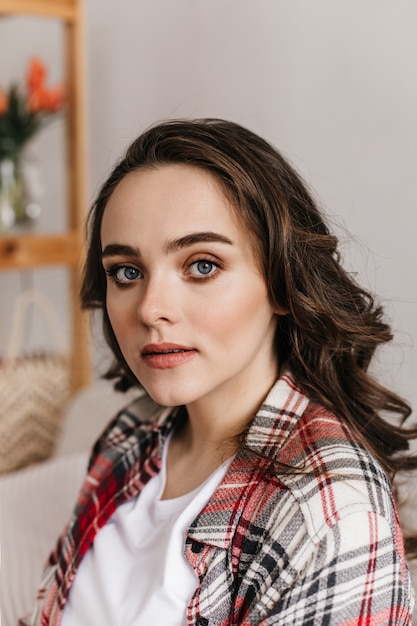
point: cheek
(236, 312)
(119, 316)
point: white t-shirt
(135, 573)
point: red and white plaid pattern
(321, 546)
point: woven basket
(34, 390)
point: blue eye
(203, 268)
(124, 274)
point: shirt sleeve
(354, 575)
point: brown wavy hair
(332, 326)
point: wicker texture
(34, 389)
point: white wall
(332, 83)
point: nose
(157, 302)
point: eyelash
(114, 270)
(201, 277)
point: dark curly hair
(332, 326)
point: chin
(164, 398)
(171, 397)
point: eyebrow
(189, 240)
(116, 249)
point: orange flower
(4, 102)
(36, 74)
(55, 98)
(46, 100)
(37, 100)
(39, 97)
(24, 112)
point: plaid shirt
(321, 546)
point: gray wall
(331, 82)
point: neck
(210, 434)
(215, 423)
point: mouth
(164, 348)
(166, 355)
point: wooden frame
(30, 251)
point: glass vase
(10, 194)
(21, 190)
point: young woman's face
(185, 298)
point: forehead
(174, 194)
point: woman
(258, 488)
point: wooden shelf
(62, 9)
(23, 252)
(28, 251)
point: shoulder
(334, 512)
(321, 471)
(130, 429)
(123, 459)
(336, 476)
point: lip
(167, 355)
